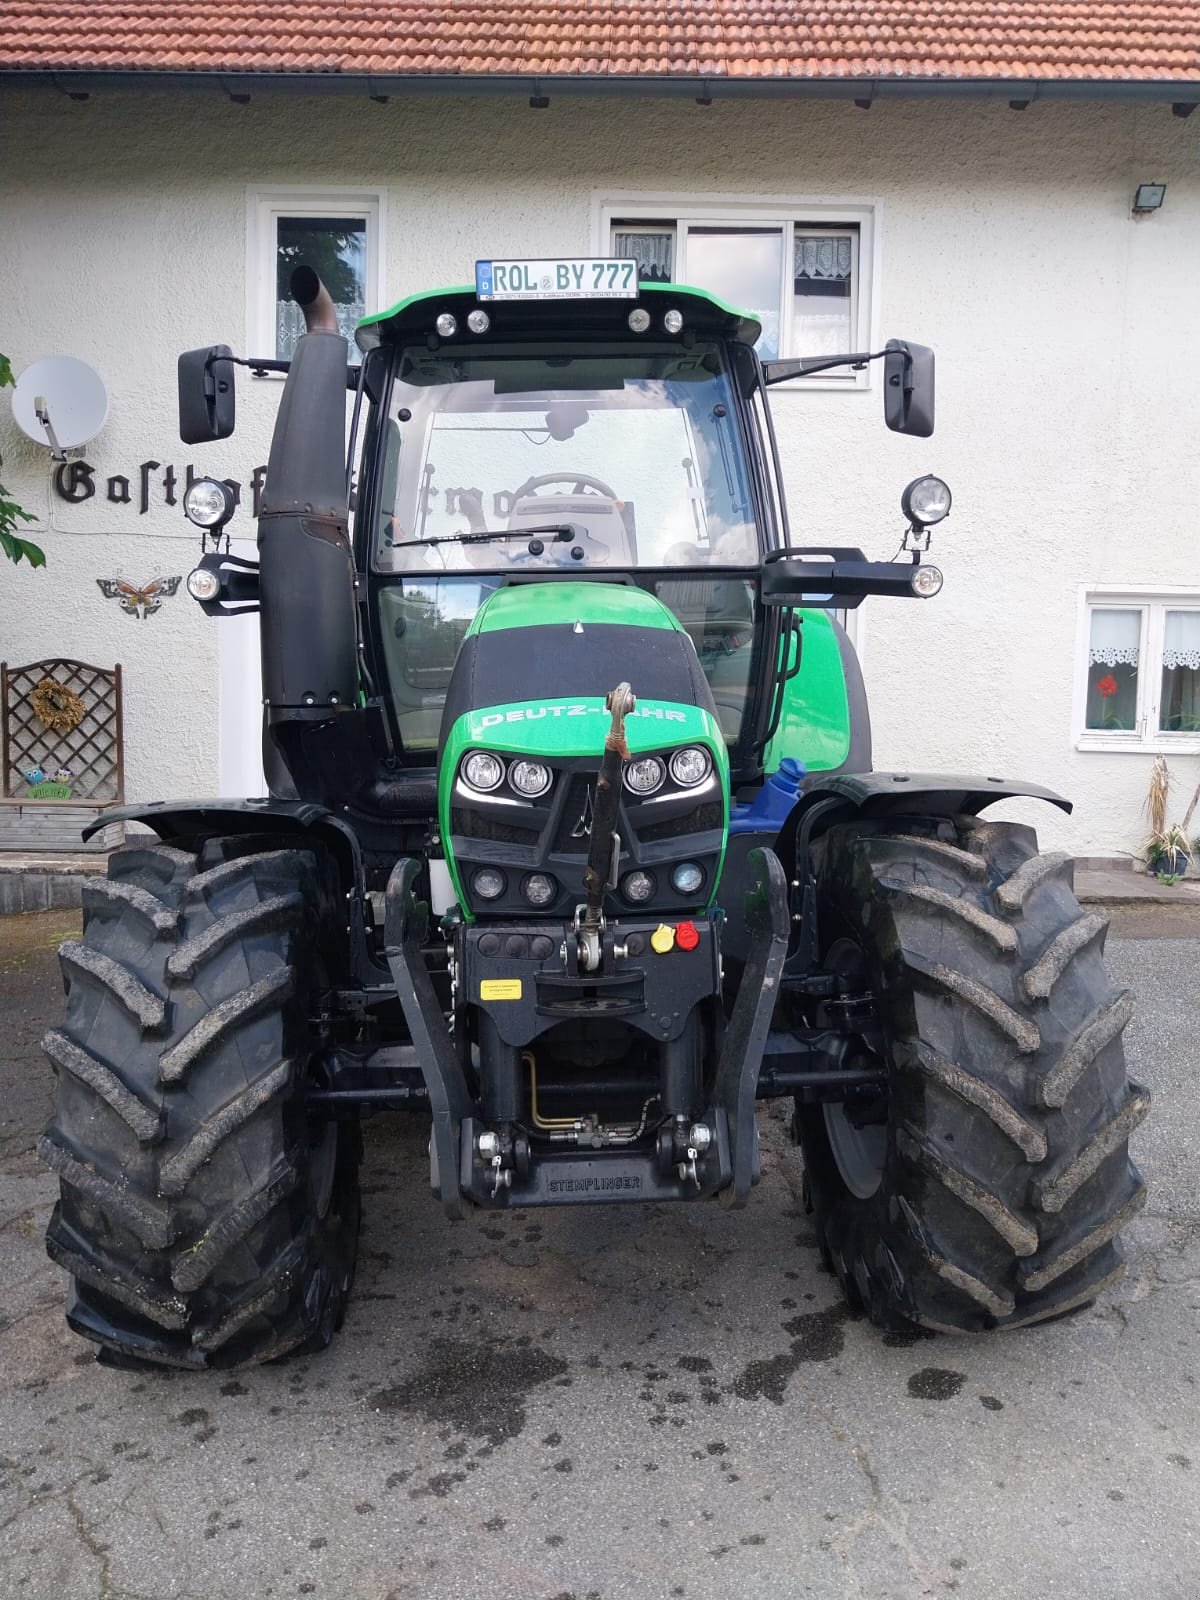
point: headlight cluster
(538, 888)
(689, 767)
(640, 320)
(640, 886)
(485, 772)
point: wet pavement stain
(935, 1383)
(765, 1380)
(816, 1336)
(477, 1389)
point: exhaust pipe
(306, 568)
(314, 299)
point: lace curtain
(1181, 646)
(1115, 638)
(653, 252)
(822, 260)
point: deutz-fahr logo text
(493, 719)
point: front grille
(473, 825)
(578, 805)
(702, 820)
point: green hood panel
(815, 722)
(566, 728)
(534, 605)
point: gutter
(1183, 94)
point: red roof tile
(1082, 40)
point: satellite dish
(60, 401)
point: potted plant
(1168, 854)
(1167, 850)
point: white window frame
(264, 207)
(794, 214)
(1146, 738)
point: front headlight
(482, 772)
(530, 778)
(539, 889)
(203, 584)
(209, 503)
(688, 878)
(644, 775)
(926, 501)
(690, 766)
(489, 883)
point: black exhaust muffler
(306, 567)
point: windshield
(625, 457)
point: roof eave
(717, 87)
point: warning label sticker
(500, 989)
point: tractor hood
(537, 652)
(530, 681)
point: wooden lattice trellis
(92, 752)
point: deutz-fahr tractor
(573, 846)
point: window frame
(264, 207)
(1146, 737)
(795, 214)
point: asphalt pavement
(615, 1403)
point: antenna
(60, 401)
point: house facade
(147, 214)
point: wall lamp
(1149, 197)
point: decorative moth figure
(139, 601)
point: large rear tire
(206, 1219)
(990, 1192)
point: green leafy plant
(1168, 850)
(11, 514)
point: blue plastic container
(773, 802)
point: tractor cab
(540, 441)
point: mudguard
(174, 819)
(879, 794)
(830, 797)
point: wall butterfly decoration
(139, 600)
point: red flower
(1107, 687)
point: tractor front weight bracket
(769, 922)
(405, 921)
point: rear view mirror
(908, 388)
(206, 394)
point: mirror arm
(260, 366)
(805, 366)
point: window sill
(1180, 744)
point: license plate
(568, 279)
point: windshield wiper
(562, 531)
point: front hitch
(604, 848)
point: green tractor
(574, 846)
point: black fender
(883, 794)
(177, 819)
(200, 819)
(826, 798)
(830, 797)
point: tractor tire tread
(67, 1056)
(185, 1153)
(1007, 1177)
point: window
(634, 452)
(338, 233)
(1139, 681)
(803, 269)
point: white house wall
(1067, 337)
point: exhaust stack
(306, 568)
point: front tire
(206, 1219)
(990, 1191)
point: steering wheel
(582, 482)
